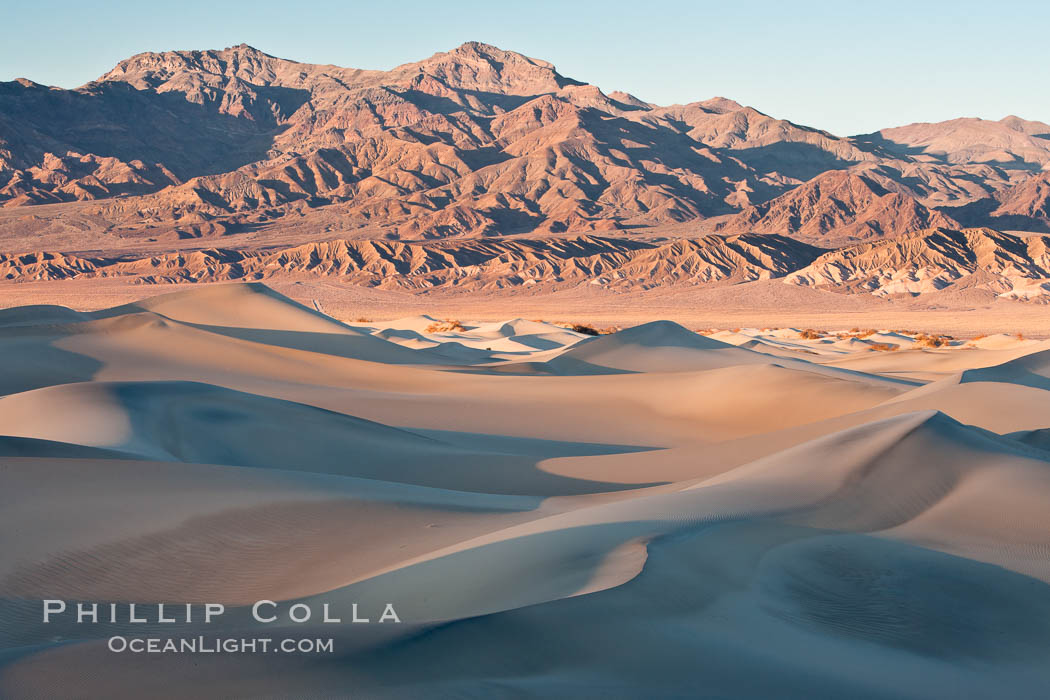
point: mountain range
(483, 168)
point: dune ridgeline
(645, 513)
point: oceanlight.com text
(217, 645)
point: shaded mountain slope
(476, 141)
(936, 259)
(840, 206)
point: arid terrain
(607, 398)
(484, 175)
(837, 512)
(479, 141)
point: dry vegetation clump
(857, 333)
(884, 347)
(446, 326)
(362, 320)
(1020, 336)
(705, 331)
(586, 328)
(923, 340)
(811, 334)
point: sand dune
(648, 513)
(660, 346)
(204, 424)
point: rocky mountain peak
(479, 141)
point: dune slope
(644, 513)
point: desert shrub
(932, 341)
(587, 329)
(884, 347)
(583, 328)
(446, 326)
(811, 334)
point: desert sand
(568, 393)
(748, 512)
(760, 304)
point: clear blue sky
(847, 66)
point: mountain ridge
(472, 141)
(207, 162)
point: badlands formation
(654, 512)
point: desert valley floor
(760, 304)
(656, 512)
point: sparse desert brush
(362, 320)
(978, 337)
(446, 326)
(705, 331)
(884, 347)
(1019, 336)
(588, 329)
(583, 328)
(932, 341)
(811, 334)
